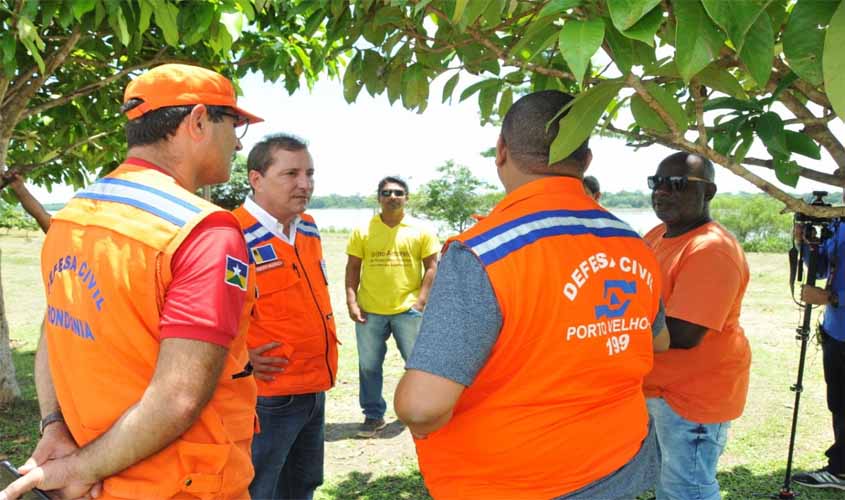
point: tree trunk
(9, 390)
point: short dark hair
(261, 155)
(531, 125)
(394, 179)
(161, 123)
(592, 184)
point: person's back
(526, 379)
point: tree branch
(696, 91)
(809, 173)
(507, 59)
(7, 176)
(91, 87)
(637, 84)
(802, 86)
(820, 133)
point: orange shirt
(704, 279)
(559, 402)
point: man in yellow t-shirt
(389, 272)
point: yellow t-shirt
(391, 268)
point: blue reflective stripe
(515, 244)
(253, 227)
(157, 192)
(309, 224)
(267, 236)
(308, 232)
(134, 203)
(580, 214)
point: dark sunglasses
(240, 121)
(395, 192)
(674, 182)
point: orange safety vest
(559, 402)
(106, 268)
(293, 307)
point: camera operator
(830, 266)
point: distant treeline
(343, 201)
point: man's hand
(265, 366)
(62, 477)
(356, 314)
(418, 306)
(815, 295)
(55, 443)
(798, 233)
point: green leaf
(29, 38)
(82, 7)
(741, 151)
(505, 102)
(722, 80)
(802, 144)
(460, 5)
(626, 51)
(584, 113)
(487, 99)
(165, 18)
(371, 72)
(834, 62)
(646, 28)
(414, 87)
(626, 13)
(667, 101)
(697, 40)
(234, 23)
(144, 18)
(475, 87)
(539, 36)
(759, 50)
(471, 13)
(787, 171)
(449, 88)
(804, 38)
(579, 40)
(123, 29)
(394, 83)
(557, 7)
(770, 131)
(731, 103)
(493, 14)
(351, 79)
(735, 17)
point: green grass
(385, 468)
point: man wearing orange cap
(141, 371)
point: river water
(349, 218)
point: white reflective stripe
(256, 234)
(144, 196)
(309, 229)
(522, 229)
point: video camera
(816, 229)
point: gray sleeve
(461, 321)
(659, 320)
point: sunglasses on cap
(674, 182)
(241, 123)
(395, 192)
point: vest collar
(557, 185)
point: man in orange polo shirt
(526, 378)
(292, 339)
(140, 368)
(700, 384)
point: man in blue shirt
(832, 267)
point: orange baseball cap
(181, 85)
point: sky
(355, 145)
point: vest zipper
(322, 315)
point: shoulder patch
(236, 272)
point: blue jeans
(372, 346)
(633, 478)
(288, 452)
(689, 454)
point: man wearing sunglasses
(526, 379)
(148, 300)
(390, 268)
(699, 386)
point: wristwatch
(52, 418)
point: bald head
(689, 164)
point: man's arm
(30, 204)
(184, 380)
(661, 341)
(430, 267)
(683, 334)
(424, 401)
(353, 279)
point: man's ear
(254, 177)
(196, 122)
(588, 158)
(501, 151)
(709, 191)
